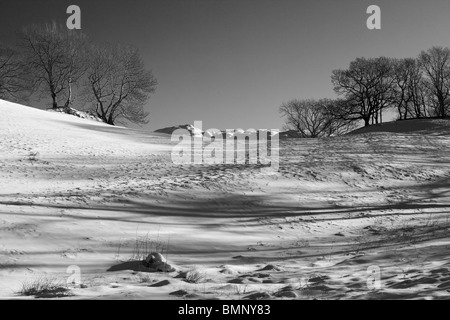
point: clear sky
(231, 63)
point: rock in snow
(157, 261)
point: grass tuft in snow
(145, 278)
(143, 246)
(44, 288)
(33, 156)
(195, 276)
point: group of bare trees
(415, 88)
(54, 57)
(61, 65)
(366, 88)
(313, 118)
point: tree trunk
(69, 98)
(400, 115)
(55, 101)
(441, 106)
(110, 120)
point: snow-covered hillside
(76, 192)
(425, 126)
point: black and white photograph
(255, 151)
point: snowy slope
(425, 126)
(76, 192)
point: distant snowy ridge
(210, 132)
(192, 130)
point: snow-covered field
(341, 213)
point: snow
(197, 132)
(427, 126)
(78, 192)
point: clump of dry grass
(195, 276)
(145, 278)
(143, 246)
(33, 156)
(45, 288)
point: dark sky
(231, 63)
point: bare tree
(54, 56)
(435, 63)
(366, 87)
(402, 75)
(418, 93)
(118, 85)
(312, 118)
(411, 92)
(13, 84)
